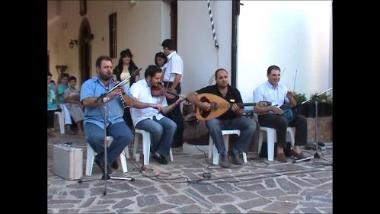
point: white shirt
(173, 66)
(141, 91)
(267, 92)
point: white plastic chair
(60, 121)
(146, 145)
(271, 139)
(91, 157)
(213, 151)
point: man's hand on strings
(235, 108)
(159, 107)
(276, 109)
(205, 106)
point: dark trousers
(176, 116)
(50, 118)
(280, 123)
(127, 118)
(121, 134)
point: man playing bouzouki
(272, 91)
(231, 119)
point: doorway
(173, 20)
(85, 38)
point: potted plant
(324, 105)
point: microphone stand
(108, 139)
(316, 143)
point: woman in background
(160, 60)
(124, 69)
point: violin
(160, 91)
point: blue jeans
(246, 126)
(121, 134)
(161, 133)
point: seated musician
(232, 119)
(153, 120)
(94, 121)
(273, 116)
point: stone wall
(325, 131)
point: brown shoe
(235, 159)
(281, 157)
(51, 134)
(224, 162)
(115, 164)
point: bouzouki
(218, 106)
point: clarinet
(125, 79)
(123, 101)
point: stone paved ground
(259, 186)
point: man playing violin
(153, 120)
(232, 119)
(115, 126)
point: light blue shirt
(274, 95)
(267, 92)
(94, 87)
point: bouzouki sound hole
(204, 114)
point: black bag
(194, 132)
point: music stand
(316, 154)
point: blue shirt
(94, 87)
(51, 99)
(60, 91)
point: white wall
(165, 21)
(63, 25)
(295, 35)
(140, 28)
(196, 44)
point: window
(113, 33)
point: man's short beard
(222, 86)
(105, 77)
